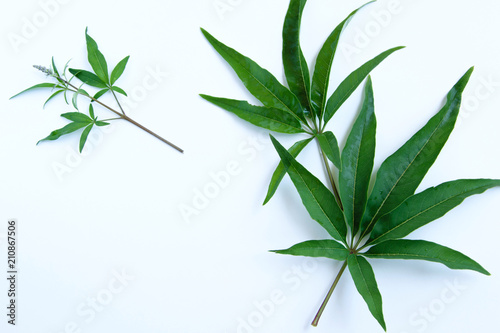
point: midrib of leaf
(263, 85)
(303, 80)
(415, 216)
(321, 207)
(364, 279)
(409, 255)
(399, 179)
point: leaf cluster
(363, 221)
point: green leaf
(316, 197)
(52, 96)
(96, 59)
(318, 248)
(85, 134)
(37, 86)
(118, 70)
(101, 123)
(70, 128)
(280, 171)
(323, 67)
(401, 173)
(91, 112)
(423, 250)
(427, 206)
(269, 118)
(351, 82)
(296, 68)
(119, 90)
(357, 162)
(364, 279)
(259, 82)
(74, 100)
(87, 77)
(100, 93)
(54, 68)
(78, 117)
(329, 145)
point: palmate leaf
(96, 59)
(364, 279)
(401, 173)
(351, 82)
(269, 118)
(423, 250)
(294, 63)
(280, 171)
(316, 197)
(425, 207)
(259, 82)
(357, 162)
(323, 67)
(326, 248)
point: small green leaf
(96, 59)
(423, 250)
(323, 67)
(280, 171)
(119, 90)
(100, 93)
(78, 117)
(401, 173)
(351, 82)
(316, 197)
(259, 82)
(427, 206)
(364, 279)
(318, 248)
(70, 128)
(51, 97)
(85, 134)
(296, 68)
(74, 100)
(118, 70)
(357, 162)
(101, 123)
(329, 145)
(91, 111)
(87, 77)
(54, 68)
(37, 86)
(268, 118)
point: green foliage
(99, 78)
(364, 222)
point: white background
(117, 209)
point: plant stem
(327, 298)
(130, 120)
(117, 101)
(330, 176)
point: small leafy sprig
(364, 222)
(100, 78)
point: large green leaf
(323, 67)
(259, 82)
(423, 250)
(401, 173)
(70, 128)
(357, 162)
(364, 279)
(427, 206)
(269, 118)
(316, 197)
(280, 171)
(96, 59)
(118, 70)
(327, 248)
(87, 77)
(329, 145)
(351, 82)
(294, 63)
(37, 86)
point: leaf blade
(423, 250)
(96, 59)
(87, 77)
(85, 134)
(118, 70)
(70, 128)
(329, 145)
(36, 86)
(317, 249)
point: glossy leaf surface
(318, 248)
